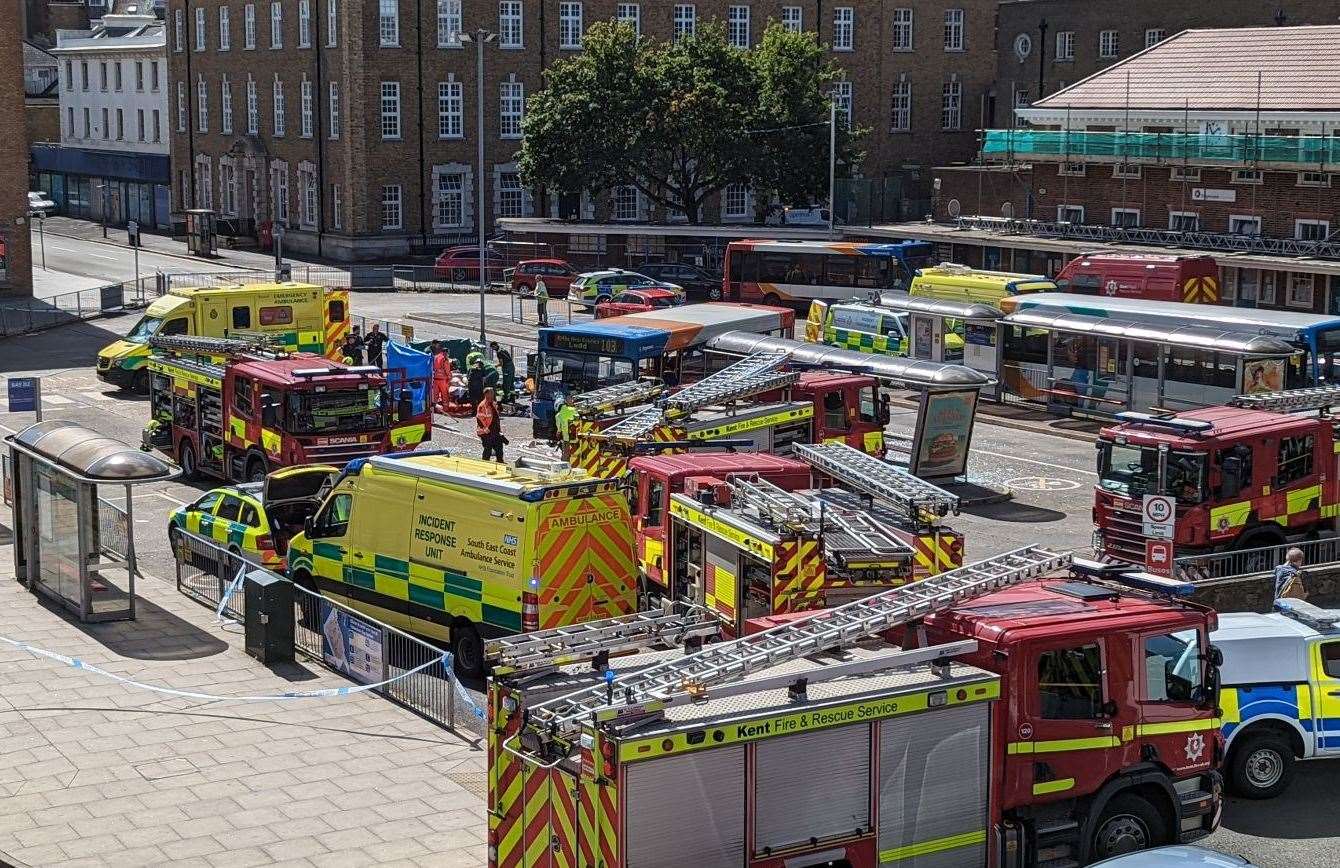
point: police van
(1280, 692)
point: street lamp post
(478, 38)
(832, 162)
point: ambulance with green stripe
(867, 328)
(293, 316)
(457, 549)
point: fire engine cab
(1260, 471)
(234, 410)
(1021, 721)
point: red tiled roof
(1217, 69)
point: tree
(682, 120)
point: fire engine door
(1061, 737)
(1173, 719)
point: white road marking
(58, 400)
(96, 396)
(166, 496)
(101, 256)
(1048, 465)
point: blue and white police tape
(228, 595)
(461, 692)
(76, 663)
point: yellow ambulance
(457, 549)
(296, 316)
(952, 282)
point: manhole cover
(168, 768)
(475, 783)
(1040, 483)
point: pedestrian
(441, 376)
(488, 425)
(474, 381)
(373, 343)
(542, 303)
(352, 349)
(564, 416)
(1289, 576)
(506, 372)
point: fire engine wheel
(467, 649)
(1261, 766)
(1129, 823)
(186, 458)
(139, 384)
(255, 469)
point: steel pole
(479, 184)
(42, 238)
(832, 162)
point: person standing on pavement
(541, 303)
(352, 349)
(441, 376)
(506, 371)
(1289, 576)
(373, 343)
(488, 425)
(474, 381)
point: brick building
(353, 121)
(16, 267)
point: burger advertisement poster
(944, 430)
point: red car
(461, 264)
(638, 300)
(556, 274)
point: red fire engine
(1260, 471)
(233, 410)
(1049, 722)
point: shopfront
(94, 185)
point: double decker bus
(795, 273)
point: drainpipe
(319, 132)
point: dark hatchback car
(697, 282)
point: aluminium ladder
(877, 478)
(616, 397)
(634, 426)
(749, 376)
(1291, 400)
(650, 690)
(229, 347)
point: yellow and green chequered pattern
(225, 532)
(865, 342)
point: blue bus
(799, 272)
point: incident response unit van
(953, 282)
(294, 316)
(455, 549)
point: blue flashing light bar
(1172, 423)
(1319, 619)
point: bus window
(810, 266)
(872, 272)
(1146, 363)
(744, 266)
(840, 271)
(774, 267)
(1199, 367)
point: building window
(1065, 45)
(121, 125)
(900, 115)
(570, 25)
(510, 24)
(1311, 230)
(88, 125)
(1248, 176)
(249, 26)
(336, 207)
(205, 184)
(390, 109)
(202, 105)
(450, 110)
(307, 197)
(116, 76)
(199, 28)
(304, 23)
(511, 108)
(1127, 218)
(449, 23)
(158, 128)
(225, 106)
(450, 196)
(1154, 37)
(844, 26)
(69, 122)
(253, 108)
(181, 108)
(953, 30)
(1239, 224)
(334, 110)
(279, 191)
(83, 75)
(69, 75)
(1072, 170)
(737, 26)
(842, 98)
(1183, 221)
(951, 106)
(793, 19)
(735, 202)
(1107, 43)
(276, 25)
(624, 206)
(139, 124)
(902, 29)
(225, 29)
(1070, 213)
(178, 31)
(388, 23)
(1314, 179)
(102, 76)
(391, 213)
(511, 195)
(153, 76)
(630, 13)
(106, 125)
(1185, 173)
(1020, 97)
(686, 20)
(1300, 295)
(305, 107)
(228, 187)
(279, 107)
(1126, 170)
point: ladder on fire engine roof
(648, 691)
(1292, 400)
(561, 646)
(607, 399)
(258, 347)
(880, 479)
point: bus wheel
(1129, 823)
(467, 649)
(186, 458)
(255, 469)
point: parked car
(461, 264)
(600, 286)
(556, 274)
(1176, 856)
(638, 300)
(697, 282)
(815, 216)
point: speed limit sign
(1159, 516)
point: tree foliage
(683, 120)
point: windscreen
(1133, 471)
(146, 328)
(337, 412)
(571, 373)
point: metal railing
(113, 529)
(1245, 148)
(24, 315)
(206, 572)
(1256, 561)
(368, 278)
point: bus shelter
(930, 320)
(70, 544)
(1100, 366)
